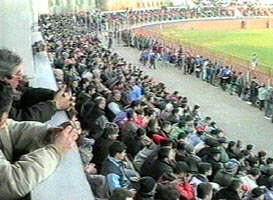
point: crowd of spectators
(154, 54)
(134, 17)
(136, 140)
(122, 19)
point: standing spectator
(262, 92)
(26, 106)
(269, 104)
(110, 40)
(21, 173)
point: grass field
(239, 43)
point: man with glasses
(30, 104)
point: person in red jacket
(184, 176)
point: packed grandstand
(136, 139)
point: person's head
(131, 114)
(262, 154)
(100, 102)
(153, 123)
(165, 153)
(91, 89)
(182, 171)
(269, 161)
(141, 133)
(117, 150)
(117, 95)
(235, 185)
(232, 166)
(249, 147)
(204, 191)
(11, 70)
(255, 173)
(252, 161)
(205, 168)
(121, 194)
(166, 126)
(111, 131)
(166, 192)
(5, 102)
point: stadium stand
(136, 140)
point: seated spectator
(95, 118)
(114, 168)
(184, 177)
(141, 120)
(232, 192)
(22, 172)
(162, 168)
(114, 107)
(224, 177)
(268, 164)
(101, 147)
(163, 134)
(205, 170)
(251, 177)
(128, 127)
(26, 106)
(147, 189)
(137, 142)
(214, 159)
(174, 117)
(167, 192)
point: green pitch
(241, 44)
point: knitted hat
(231, 166)
(147, 184)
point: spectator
(204, 191)
(21, 176)
(256, 194)
(147, 189)
(231, 192)
(40, 107)
(114, 168)
(101, 147)
(121, 194)
(162, 168)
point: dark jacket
(223, 178)
(34, 104)
(134, 145)
(160, 168)
(95, 122)
(101, 150)
(226, 194)
(113, 169)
